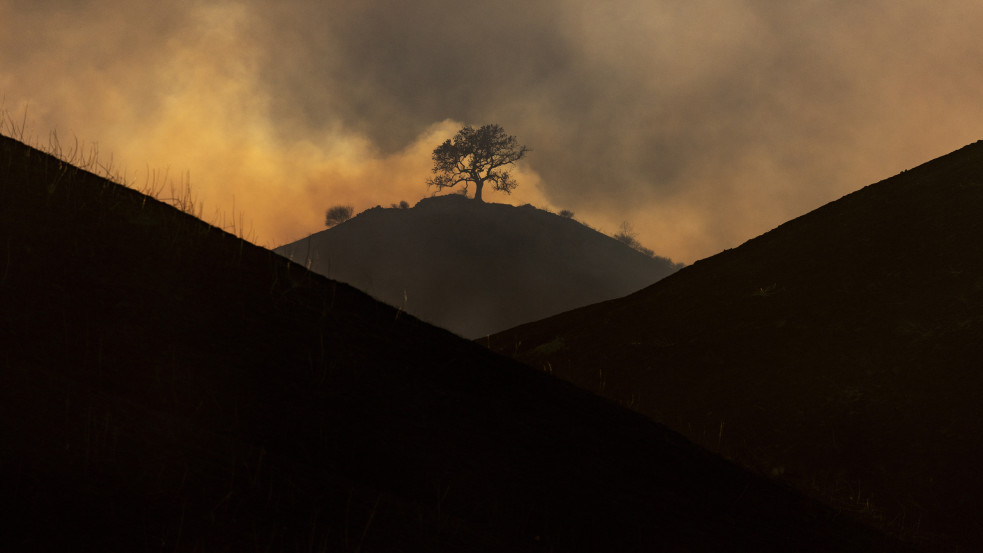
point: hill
(841, 351)
(167, 386)
(476, 268)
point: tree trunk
(477, 191)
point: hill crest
(476, 268)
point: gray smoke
(702, 123)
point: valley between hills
(169, 386)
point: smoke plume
(701, 123)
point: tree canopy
(476, 156)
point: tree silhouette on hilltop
(476, 156)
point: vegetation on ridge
(338, 214)
(476, 156)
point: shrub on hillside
(338, 214)
(628, 237)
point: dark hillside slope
(476, 268)
(842, 350)
(165, 386)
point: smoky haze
(703, 124)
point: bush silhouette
(338, 214)
(628, 237)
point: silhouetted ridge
(166, 386)
(475, 268)
(840, 351)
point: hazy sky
(702, 123)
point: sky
(701, 123)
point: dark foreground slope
(842, 350)
(477, 268)
(165, 386)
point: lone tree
(476, 157)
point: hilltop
(476, 268)
(165, 385)
(840, 351)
